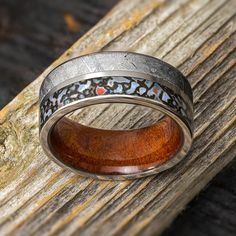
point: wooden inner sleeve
(113, 151)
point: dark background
(33, 33)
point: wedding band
(111, 78)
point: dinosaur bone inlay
(111, 85)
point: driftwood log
(39, 198)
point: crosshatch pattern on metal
(111, 85)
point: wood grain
(39, 198)
(112, 151)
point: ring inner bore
(103, 150)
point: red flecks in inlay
(100, 90)
(155, 90)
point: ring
(116, 115)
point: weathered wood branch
(39, 198)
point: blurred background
(33, 33)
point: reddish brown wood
(115, 151)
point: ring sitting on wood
(116, 78)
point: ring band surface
(116, 77)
